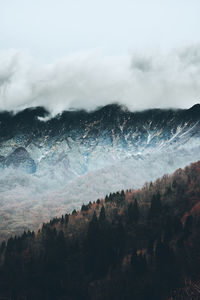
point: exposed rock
(20, 158)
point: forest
(134, 244)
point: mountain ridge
(93, 152)
(32, 113)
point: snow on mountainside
(48, 167)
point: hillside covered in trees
(134, 244)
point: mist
(87, 80)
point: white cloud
(89, 79)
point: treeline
(140, 244)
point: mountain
(20, 158)
(86, 153)
(139, 244)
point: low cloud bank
(89, 80)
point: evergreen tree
(62, 220)
(188, 226)
(133, 212)
(74, 213)
(3, 246)
(84, 207)
(123, 196)
(98, 201)
(136, 211)
(102, 215)
(66, 219)
(156, 206)
(93, 226)
(138, 263)
(60, 245)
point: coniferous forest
(134, 244)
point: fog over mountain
(87, 80)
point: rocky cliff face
(47, 163)
(19, 159)
(82, 142)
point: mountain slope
(89, 152)
(141, 244)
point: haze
(84, 54)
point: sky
(83, 54)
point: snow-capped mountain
(50, 165)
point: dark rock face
(106, 118)
(20, 158)
(110, 134)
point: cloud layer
(89, 80)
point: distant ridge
(30, 114)
(195, 109)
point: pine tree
(102, 215)
(98, 201)
(74, 213)
(133, 212)
(136, 211)
(122, 195)
(62, 220)
(66, 219)
(156, 206)
(188, 226)
(3, 246)
(93, 225)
